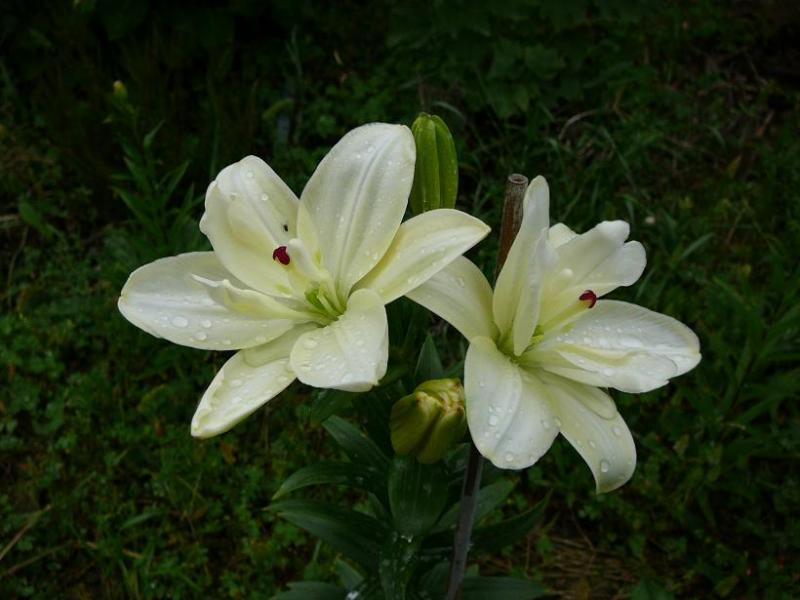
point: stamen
(281, 255)
(590, 297)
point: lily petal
(171, 298)
(235, 225)
(560, 234)
(357, 196)
(526, 316)
(520, 261)
(461, 295)
(605, 443)
(598, 260)
(620, 345)
(349, 354)
(509, 415)
(423, 246)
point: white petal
(422, 247)
(620, 345)
(526, 316)
(604, 442)
(237, 391)
(252, 180)
(176, 298)
(235, 225)
(509, 416)
(357, 196)
(462, 296)
(598, 260)
(520, 261)
(560, 234)
(349, 354)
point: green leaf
(500, 588)
(417, 495)
(429, 365)
(311, 590)
(399, 559)
(352, 474)
(356, 445)
(329, 402)
(352, 533)
(489, 497)
(493, 537)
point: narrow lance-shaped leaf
(357, 445)
(352, 533)
(355, 475)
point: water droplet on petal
(250, 174)
(592, 444)
(200, 335)
(545, 423)
(608, 372)
(180, 321)
(236, 382)
(617, 431)
(509, 457)
(604, 466)
(493, 420)
(206, 323)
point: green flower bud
(436, 171)
(430, 420)
(119, 90)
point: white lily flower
(542, 344)
(299, 286)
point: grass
(681, 120)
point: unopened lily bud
(430, 420)
(436, 170)
(119, 90)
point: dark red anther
(590, 297)
(281, 255)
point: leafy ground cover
(680, 118)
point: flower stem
(512, 218)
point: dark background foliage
(681, 118)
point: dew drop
(617, 431)
(226, 342)
(250, 174)
(604, 466)
(200, 335)
(493, 420)
(482, 383)
(509, 457)
(545, 423)
(592, 444)
(236, 383)
(264, 197)
(180, 321)
(206, 323)
(608, 372)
